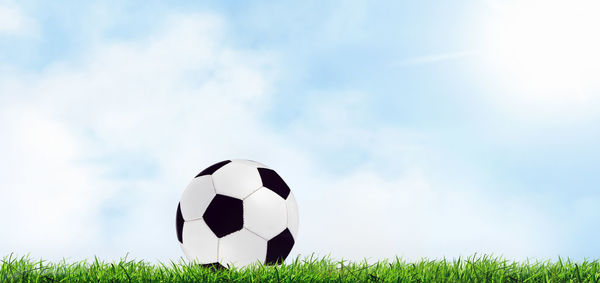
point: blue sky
(423, 129)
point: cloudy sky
(404, 128)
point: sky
(410, 129)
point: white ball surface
(236, 213)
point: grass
(472, 269)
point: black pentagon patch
(273, 182)
(224, 215)
(211, 169)
(214, 266)
(179, 224)
(279, 247)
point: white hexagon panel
(242, 248)
(236, 179)
(265, 213)
(292, 214)
(201, 244)
(196, 197)
(251, 163)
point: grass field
(472, 269)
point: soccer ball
(237, 212)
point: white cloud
(14, 22)
(434, 58)
(412, 217)
(184, 98)
(181, 97)
(541, 69)
(47, 199)
(410, 199)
